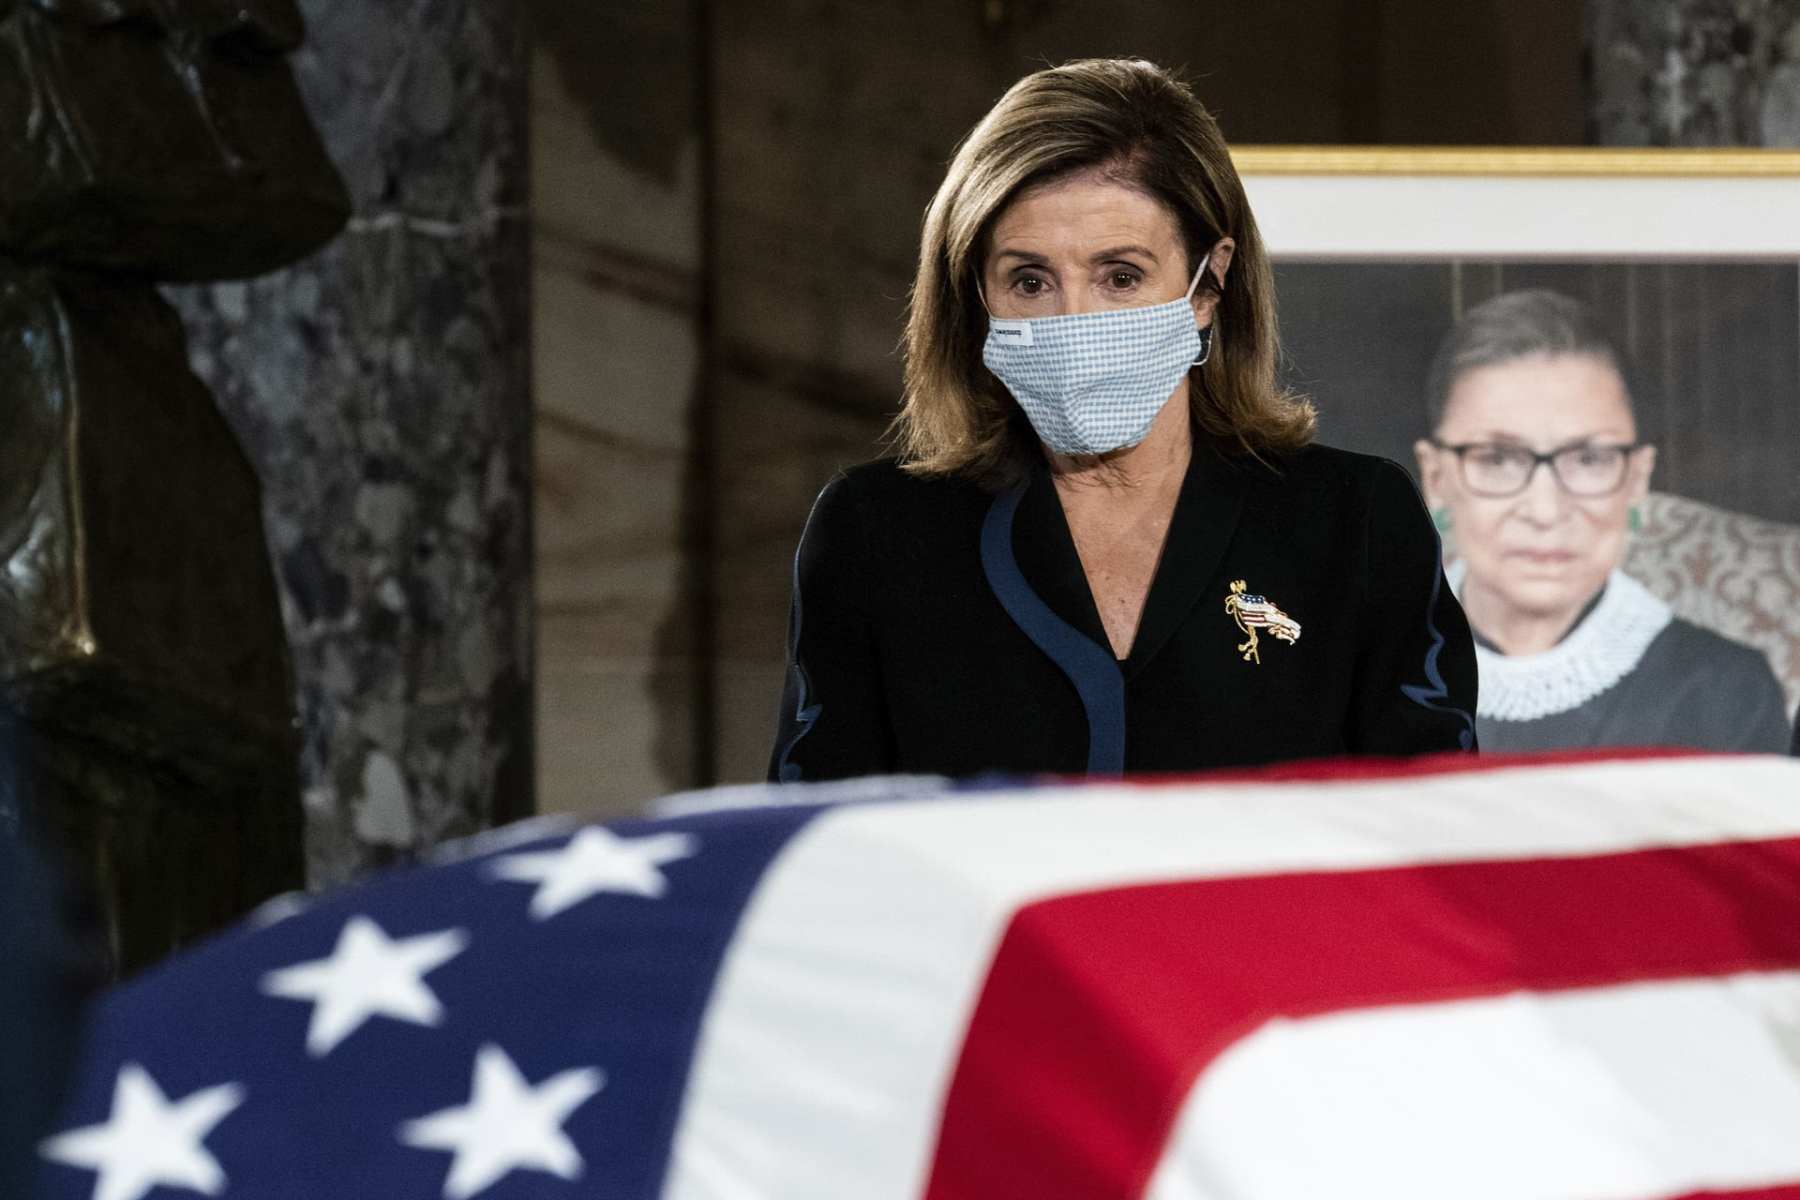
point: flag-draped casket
(1467, 978)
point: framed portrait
(1689, 260)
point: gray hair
(1516, 325)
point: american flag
(1257, 613)
(1465, 978)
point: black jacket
(940, 628)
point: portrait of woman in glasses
(1106, 541)
(1534, 469)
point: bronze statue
(144, 673)
(162, 138)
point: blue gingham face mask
(1093, 382)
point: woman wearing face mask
(1106, 543)
(1536, 466)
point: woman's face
(1543, 551)
(1086, 243)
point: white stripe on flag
(1618, 1093)
(833, 1031)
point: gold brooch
(1253, 612)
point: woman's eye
(1029, 285)
(1124, 279)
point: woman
(1106, 543)
(1536, 465)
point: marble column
(1694, 72)
(382, 389)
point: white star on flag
(146, 1141)
(368, 974)
(594, 860)
(507, 1125)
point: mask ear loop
(1195, 281)
(1206, 334)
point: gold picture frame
(1515, 160)
(1474, 202)
(1691, 258)
(1688, 258)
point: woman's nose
(1073, 301)
(1544, 501)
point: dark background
(1712, 356)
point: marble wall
(617, 277)
(382, 389)
(1694, 72)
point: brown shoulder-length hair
(1145, 129)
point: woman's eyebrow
(1501, 437)
(1026, 255)
(1121, 251)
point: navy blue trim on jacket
(1093, 670)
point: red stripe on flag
(1456, 762)
(1779, 1191)
(1370, 768)
(1101, 1009)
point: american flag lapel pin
(1253, 612)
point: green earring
(1634, 520)
(1440, 516)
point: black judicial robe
(1693, 688)
(940, 628)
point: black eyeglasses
(1498, 469)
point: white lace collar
(1604, 648)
